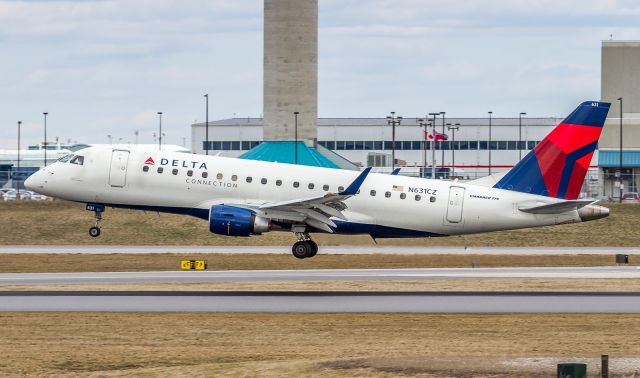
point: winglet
(395, 171)
(355, 185)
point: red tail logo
(149, 161)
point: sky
(107, 67)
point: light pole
(45, 137)
(621, 187)
(423, 125)
(489, 146)
(17, 173)
(453, 128)
(136, 132)
(295, 132)
(109, 137)
(393, 120)
(520, 134)
(206, 137)
(433, 145)
(160, 131)
(441, 148)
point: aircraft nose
(34, 182)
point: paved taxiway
(440, 302)
(329, 250)
(316, 275)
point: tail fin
(556, 167)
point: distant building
(368, 141)
(620, 79)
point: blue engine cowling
(236, 221)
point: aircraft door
(118, 170)
(454, 206)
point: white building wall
(472, 163)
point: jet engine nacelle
(236, 221)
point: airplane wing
(554, 208)
(314, 211)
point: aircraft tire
(94, 232)
(314, 248)
(301, 249)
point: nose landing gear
(98, 210)
(304, 247)
(95, 230)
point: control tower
(290, 70)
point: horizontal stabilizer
(553, 208)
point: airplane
(241, 197)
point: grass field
(32, 263)
(324, 345)
(60, 222)
(547, 285)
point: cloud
(106, 67)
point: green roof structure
(285, 152)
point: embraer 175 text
(244, 197)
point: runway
(327, 250)
(392, 302)
(10, 279)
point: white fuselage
(407, 206)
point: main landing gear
(304, 247)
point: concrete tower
(290, 69)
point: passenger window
(145, 168)
(341, 189)
(219, 176)
(325, 188)
(296, 184)
(387, 194)
(77, 160)
(311, 185)
(249, 179)
(189, 173)
(234, 178)
(403, 195)
(160, 169)
(432, 199)
(418, 197)
(278, 182)
(205, 174)
(263, 181)
(373, 193)
(174, 171)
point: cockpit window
(65, 158)
(77, 160)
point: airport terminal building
(369, 142)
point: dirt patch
(61, 222)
